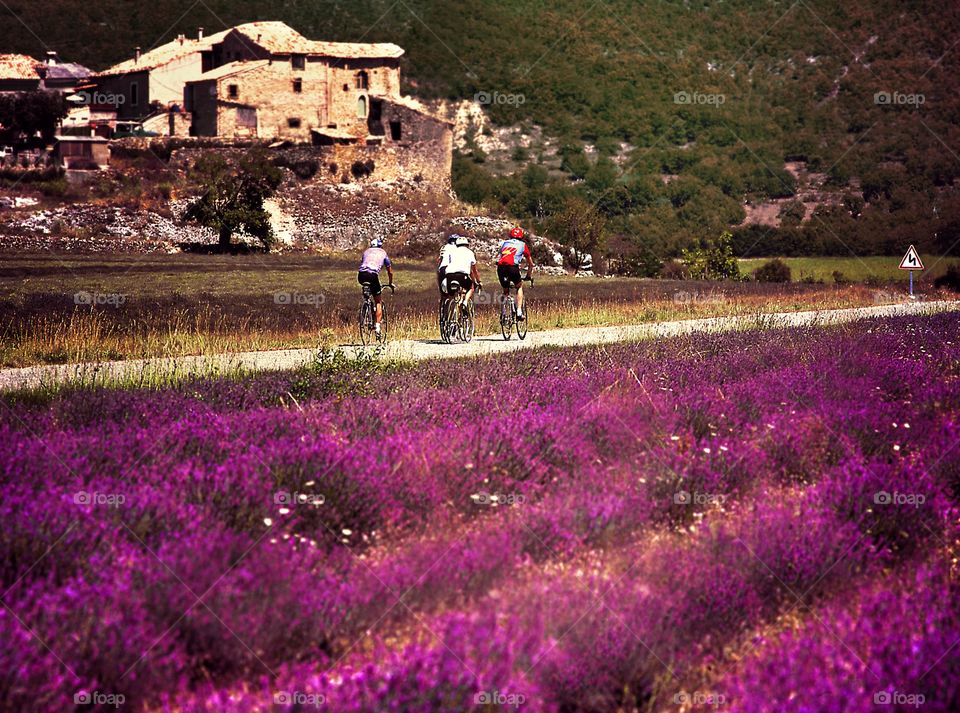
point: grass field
(859, 269)
(57, 309)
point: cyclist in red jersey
(514, 252)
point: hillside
(686, 111)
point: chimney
(136, 58)
(200, 34)
(51, 59)
(181, 39)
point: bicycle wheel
(523, 324)
(366, 323)
(442, 320)
(506, 318)
(467, 325)
(450, 321)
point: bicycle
(508, 316)
(456, 317)
(368, 317)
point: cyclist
(462, 268)
(373, 261)
(442, 262)
(514, 252)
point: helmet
(376, 243)
(452, 238)
(462, 241)
(517, 233)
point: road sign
(911, 261)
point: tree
(32, 113)
(581, 227)
(233, 201)
(714, 260)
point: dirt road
(134, 370)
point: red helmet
(517, 233)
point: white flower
(268, 521)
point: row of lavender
(758, 520)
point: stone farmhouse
(265, 81)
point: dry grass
(190, 304)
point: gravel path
(134, 370)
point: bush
(775, 270)
(840, 278)
(950, 279)
(674, 270)
(714, 260)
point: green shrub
(775, 270)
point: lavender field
(755, 521)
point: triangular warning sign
(911, 261)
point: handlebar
(393, 288)
(529, 279)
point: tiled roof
(228, 70)
(356, 50)
(280, 38)
(165, 54)
(19, 66)
(67, 70)
(276, 37)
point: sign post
(911, 261)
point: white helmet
(462, 241)
(376, 243)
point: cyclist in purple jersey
(371, 264)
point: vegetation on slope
(691, 108)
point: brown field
(173, 305)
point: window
(363, 80)
(233, 91)
(298, 86)
(293, 123)
(134, 93)
(396, 130)
(298, 61)
(346, 87)
(246, 118)
(362, 107)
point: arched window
(363, 80)
(362, 107)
